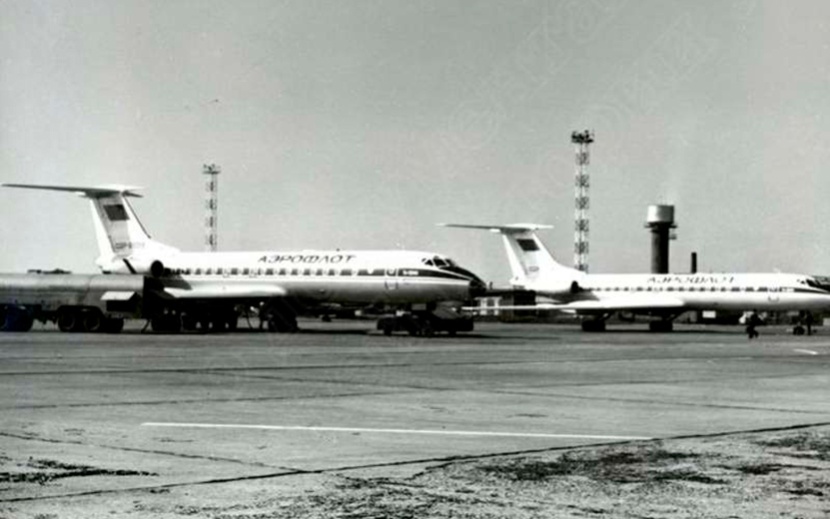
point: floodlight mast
(211, 173)
(581, 141)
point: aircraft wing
(593, 306)
(224, 291)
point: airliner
(663, 296)
(203, 288)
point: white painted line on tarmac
(808, 352)
(389, 431)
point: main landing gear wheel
(593, 325)
(280, 317)
(660, 326)
(166, 323)
(281, 323)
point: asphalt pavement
(99, 419)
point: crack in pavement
(663, 403)
(195, 401)
(28, 437)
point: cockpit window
(427, 261)
(817, 283)
(439, 262)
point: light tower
(581, 184)
(211, 172)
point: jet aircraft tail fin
(530, 261)
(118, 230)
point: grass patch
(621, 466)
(810, 444)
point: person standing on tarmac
(751, 323)
(808, 322)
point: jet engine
(154, 268)
(563, 287)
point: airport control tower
(660, 220)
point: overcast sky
(361, 124)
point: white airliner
(204, 287)
(664, 296)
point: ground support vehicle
(426, 323)
(75, 302)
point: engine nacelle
(565, 287)
(157, 269)
(154, 268)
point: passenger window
(346, 272)
(234, 271)
(246, 271)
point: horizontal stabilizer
(89, 192)
(507, 229)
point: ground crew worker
(808, 321)
(751, 322)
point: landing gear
(205, 320)
(166, 323)
(593, 325)
(661, 326)
(279, 317)
(799, 330)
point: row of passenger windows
(690, 289)
(234, 271)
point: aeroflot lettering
(691, 280)
(310, 258)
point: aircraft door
(391, 279)
(774, 294)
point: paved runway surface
(200, 411)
